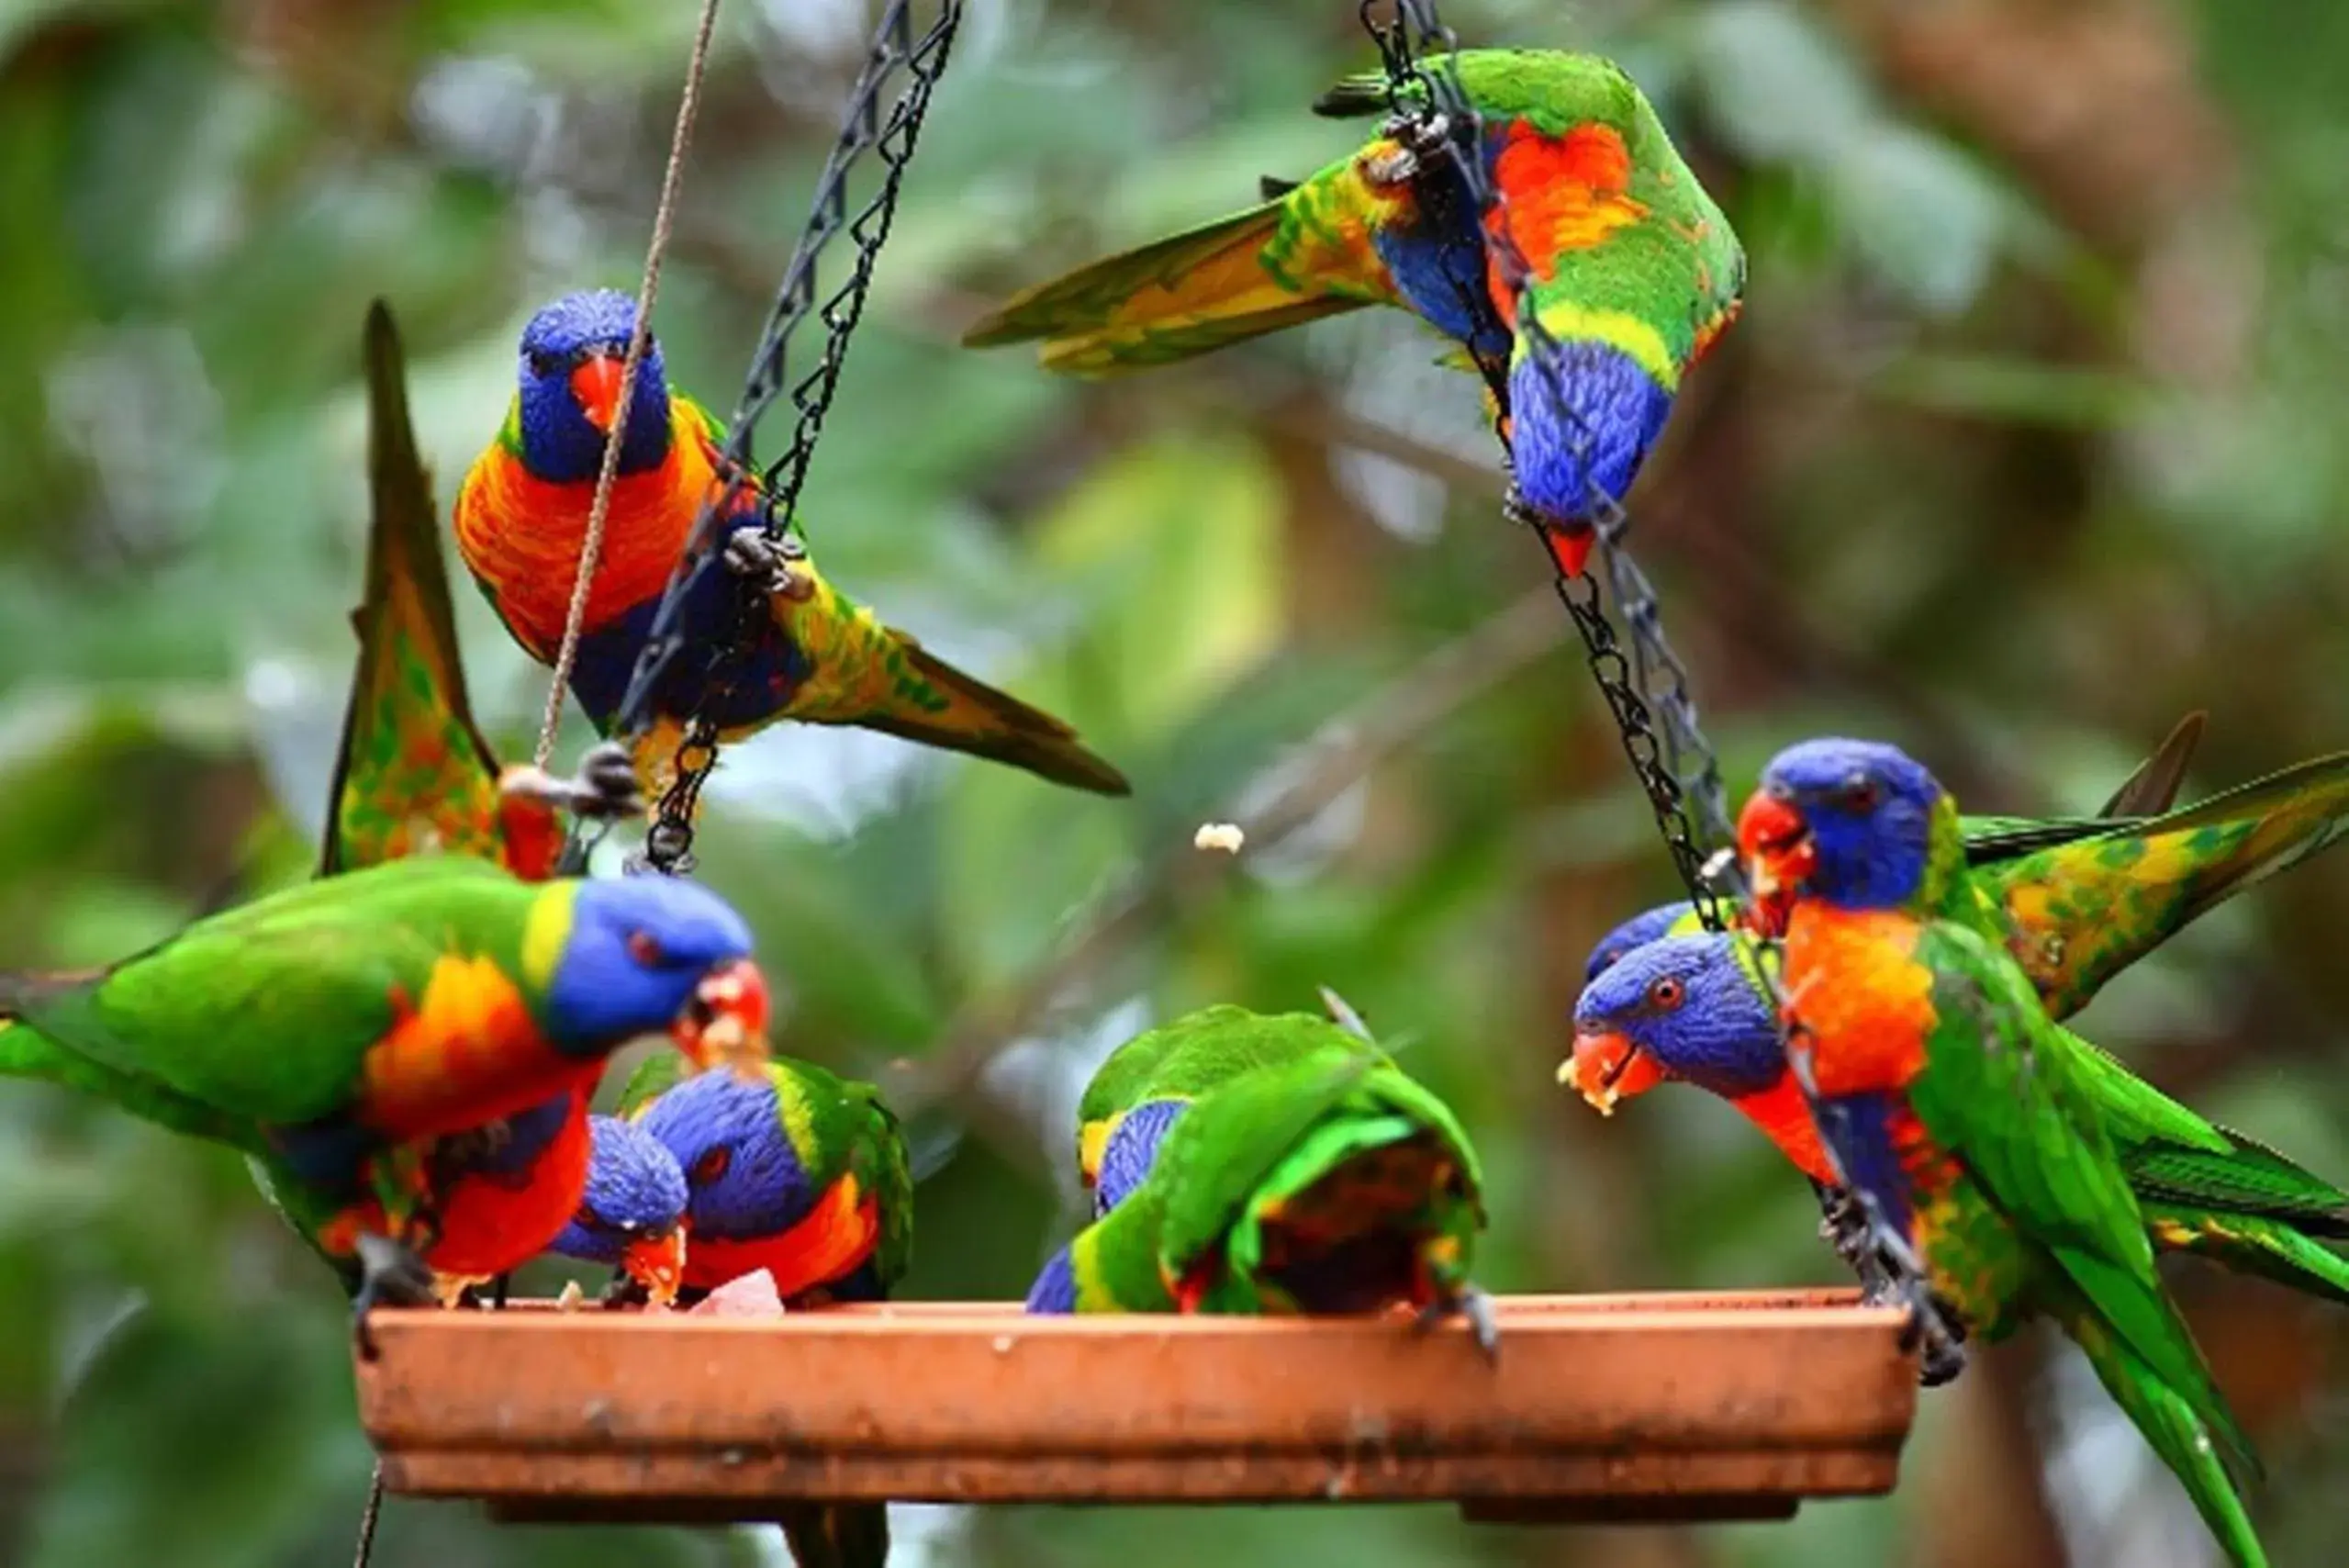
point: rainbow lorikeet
(633, 1212)
(1136, 1093)
(1691, 1006)
(1962, 1115)
(521, 519)
(413, 772)
(806, 1175)
(414, 775)
(2091, 899)
(1635, 270)
(366, 1036)
(1317, 1177)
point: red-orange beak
(1779, 855)
(727, 1019)
(658, 1263)
(1569, 547)
(1606, 1067)
(596, 383)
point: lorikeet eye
(590, 1220)
(1666, 994)
(545, 364)
(644, 949)
(711, 1166)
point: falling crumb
(571, 1298)
(1225, 836)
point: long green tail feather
(2176, 1431)
(1192, 291)
(2252, 1244)
(26, 1053)
(2140, 1320)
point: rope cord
(664, 220)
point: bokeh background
(2032, 438)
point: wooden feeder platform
(1655, 1406)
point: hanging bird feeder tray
(1663, 1407)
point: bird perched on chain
(1634, 270)
(413, 772)
(811, 654)
(1968, 1122)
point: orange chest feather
(466, 1052)
(1785, 1119)
(522, 536)
(1864, 1004)
(831, 1243)
(1561, 194)
(491, 1224)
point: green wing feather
(2247, 1242)
(25, 1052)
(1253, 1147)
(1115, 1259)
(883, 1167)
(1224, 281)
(654, 1077)
(2003, 1095)
(265, 1012)
(2083, 911)
(413, 770)
(1187, 1057)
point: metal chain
(1674, 763)
(668, 846)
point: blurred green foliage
(2032, 436)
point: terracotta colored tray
(1656, 1406)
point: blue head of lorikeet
(1849, 821)
(570, 357)
(794, 1171)
(648, 954)
(1636, 932)
(1676, 1007)
(632, 1214)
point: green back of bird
(1188, 1056)
(1659, 271)
(1333, 1146)
(263, 1015)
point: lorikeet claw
(389, 1275)
(1843, 1224)
(1474, 1304)
(754, 554)
(1937, 1337)
(623, 1292)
